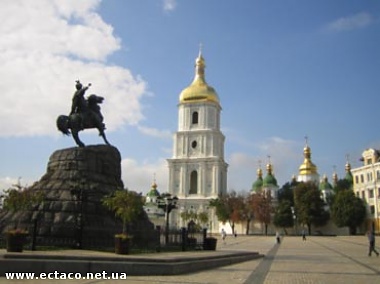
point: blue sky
(282, 69)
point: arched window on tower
(193, 182)
(194, 119)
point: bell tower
(197, 170)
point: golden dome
(259, 172)
(348, 167)
(198, 89)
(269, 168)
(154, 185)
(335, 177)
(307, 166)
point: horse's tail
(63, 124)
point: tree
(242, 211)
(127, 205)
(247, 212)
(262, 208)
(188, 216)
(199, 219)
(309, 205)
(19, 198)
(203, 218)
(283, 216)
(286, 192)
(226, 207)
(348, 210)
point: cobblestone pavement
(316, 260)
(324, 260)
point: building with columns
(197, 170)
(366, 184)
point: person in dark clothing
(371, 241)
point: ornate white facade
(197, 170)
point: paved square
(318, 260)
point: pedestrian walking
(303, 235)
(278, 238)
(371, 242)
(224, 235)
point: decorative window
(369, 177)
(372, 209)
(194, 119)
(370, 193)
(193, 182)
(194, 144)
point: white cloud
(169, 5)
(163, 134)
(286, 157)
(353, 22)
(44, 47)
(139, 176)
(7, 182)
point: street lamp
(167, 203)
(294, 219)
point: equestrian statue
(85, 114)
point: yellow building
(366, 181)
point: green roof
(349, 177)
(257, 185)
(153, 192)
(325, 185)
(270, 180)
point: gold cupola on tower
(307, 167)
(199, 90)
(348, 176)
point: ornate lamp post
(167, 203)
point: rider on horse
(81, 106)
(79, 103)
(84, 114)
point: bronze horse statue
(88, 117)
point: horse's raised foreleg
(76, 138)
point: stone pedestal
(72, 213)
(74, 184)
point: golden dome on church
(198, 90)
(307, 167)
